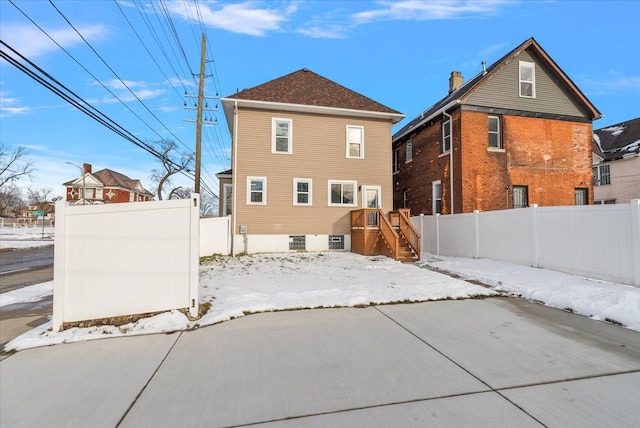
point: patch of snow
(32, 293)
(25, 237)
(615, 130)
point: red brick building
(105, 186)
(518, 133)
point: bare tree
(10, 199)
(171, 164)
(39, 196)
(12, 166)
(208, 204)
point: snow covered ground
(25, 237)
(270, 282)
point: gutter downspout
(234, 173)
(444, 112)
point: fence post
(534, 235)
(194, 249)
(438, 233)
(476, 234)
(59, 264)
(634, 206)
(422, 246)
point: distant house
(105, 186)
(306, 152)
(616, 163)
(517, 133)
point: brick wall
(550, 157)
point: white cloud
(31, 42)
(427, 10)
(123, 89)
(329, 32)
(9, 106)
(612, 84)
(243, 18)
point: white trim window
(446, 136)
(396, 160)
(303, 191)
(256, 190)
(436, 193)
(527, 79)
(601, 175)
(342, 193)
(495, 139)
(355, 141)
(281, 131)
(408, 154)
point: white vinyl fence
(595, 241)
(124, 259)
(215, 236)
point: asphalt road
(20, 268)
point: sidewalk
(477, 362)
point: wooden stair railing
(399, 238)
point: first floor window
(257, 190)
(601, 175)
(494, 132)
(520, 197)
(446, 136)
(302, 188)
(405, 198)
(582, 196)
(436, 190)
(342, 193)
(355, 141)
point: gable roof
(110, 178)
(308, 89)
(461, 94)
(619, 141)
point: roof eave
(426, 119)
(304, 108)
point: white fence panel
(587, 239)
(595, 241)
(506, 236)
(124, 259)
(215, 236)
(460, 233)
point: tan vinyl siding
(318, 153)
(502, 91)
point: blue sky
(398, 53)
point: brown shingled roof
(305, 87)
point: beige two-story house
(306, 152)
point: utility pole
(200, 107)
(196, 186)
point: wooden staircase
(373, 233)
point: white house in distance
(616, 163)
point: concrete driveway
(490, 362)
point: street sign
(37, 213)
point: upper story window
(281, 130)
(495, 139)
(396, 159)
(601, 175)
(409, 151)
(302, 191)
(342, 193)
(355, 141)
(527, 72)
(446, 136)
(256, 190)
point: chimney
(86, 167)
(455, 81)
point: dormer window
(527, 79)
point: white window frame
(309, 181)
(361, 142)
(408, 154)
(524, 65)
(405, 198)
(436, 185)
(498, 133)
(598, 175)
(264, 190)
(227, 189)
(274, 127)
(342, 182)
(396, 160)
(445, 137)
